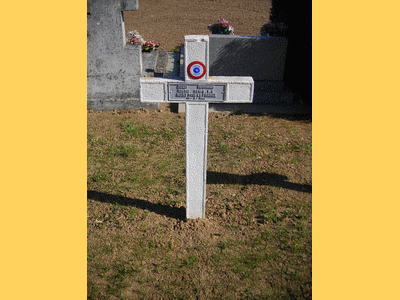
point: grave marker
(113, 68)
(197, 90)
(261, 57)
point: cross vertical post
(196, 123)
(196, 91)
(196, 159)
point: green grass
(190, 261)
(125, 150)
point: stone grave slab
(261, 57)
(113, 68)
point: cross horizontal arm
(226, 89)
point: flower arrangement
(222, 27)
(134, 38)
(149, 45)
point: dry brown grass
(256, 239)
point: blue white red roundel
(196, 70)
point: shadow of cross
(197, 89)
(113, 68)
(264, 178)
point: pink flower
(151, 43)
(133, 40)
(223, 22)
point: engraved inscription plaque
(197, 92)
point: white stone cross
(196, 91)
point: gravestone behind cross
(113, 68)
(197, 90)
(260, 57)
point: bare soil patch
(167, 22)
(255, 242)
